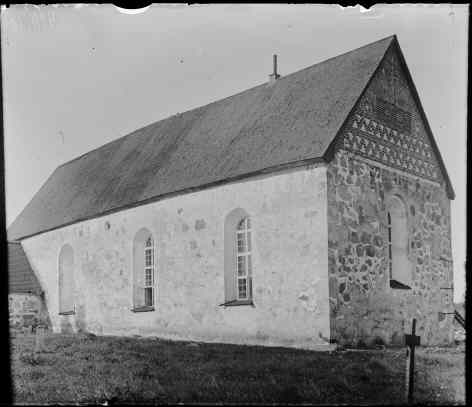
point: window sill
(237, 303)
(143, 309)
(67, 313)
(400, 286)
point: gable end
(388, 124)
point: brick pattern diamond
(386, 127)
(378, 142)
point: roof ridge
(336, 56)
(282, 77)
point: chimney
(274, 75)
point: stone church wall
(384, 149)
(290, 261)
(363, 305)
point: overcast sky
(76, 77)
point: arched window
(66, 281)
(144, 272)
(244, 261)
(238, 258)
(397, 225)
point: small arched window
(397, 225)
(66, 281)
(238, 258)
(144, 272)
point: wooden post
(407, 373)
(39, 338)
(411, 383)
(411, 341)
(36, 340)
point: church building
(308, 211)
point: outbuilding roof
(290, 120)
(21, 278)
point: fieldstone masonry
(385, 150)
(363, 305)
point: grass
(440, 374)
(89, 369)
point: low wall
(26, 310)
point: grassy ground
(72, 369)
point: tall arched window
(244, 262)
(66, 281)
(149, 272)
(144, 272)
(238, 258)
(397, 225)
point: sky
(76, 77)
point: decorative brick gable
(387, 127)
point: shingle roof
(273, 124)
(21, 278)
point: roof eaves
(237, 178)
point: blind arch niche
(398, 237)
(66, 280)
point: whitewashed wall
(290, 265)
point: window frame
(149, 268)
(244, 251)
(142, 269)
(232, 294)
